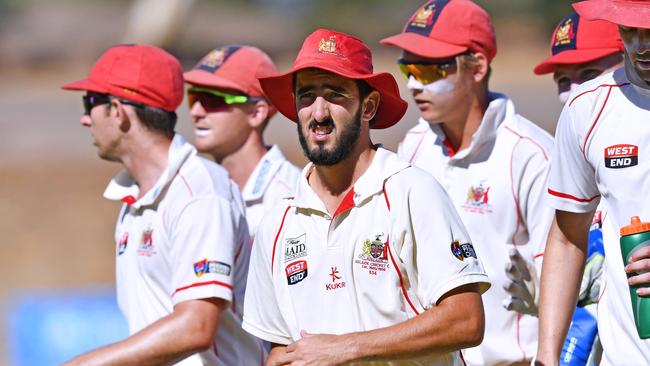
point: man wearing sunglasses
(230, 112)
(182, 244)
(492, 162)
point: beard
(319, 155)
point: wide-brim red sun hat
(577, 40)
(344, 55)
(629, 13)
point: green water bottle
(633, 237)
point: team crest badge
(327, 46)
(214, 58)
(200, 267)
(564, 33)
(375, 248)
(478, 199)
(424, 16)
(146, 244)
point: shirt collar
(263, 173)
(123, 186)
(384, 164)
(499, 108)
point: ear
(481, 68)
(258, 113)
(370, 106)
(120, 116)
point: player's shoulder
(517, 131)
(592, 92)
(274, 218)
(206, 178)
(414, 183)
(416, 132)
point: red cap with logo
(445, 28)
(139, 73)
(629, 13)
(233, 67)
(344, 55)
(577, 40)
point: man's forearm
(189, 329)
(561, 274)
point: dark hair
(157, 120)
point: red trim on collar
(129, 200)
(450, 150)
(347, 203)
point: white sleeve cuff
(265, 335)
(203, 290)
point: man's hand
(639, 268)
(522, 285)
(313, 350)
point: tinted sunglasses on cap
(426, 72)
(214, 99)
(92, 100)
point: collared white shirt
(273, 179)
(497, 187)
(389, 252)
(602, 154)
(184, 239)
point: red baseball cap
(344, 55)
(139, 73)
(577, 40)
(445, 28)
(233, 67)
(629, 13)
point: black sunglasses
(92, 100)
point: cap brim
(85, 85)
(279, 89)
(423, 46)
(202, 78)
(570, 57)
(630, 14)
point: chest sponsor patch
(205, 266)
(296, 272)
(621, 156)
(146, 247)
(295, 248)
(462, 251)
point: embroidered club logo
(296, 272)
(621, 156)
(373, 256)
(121, 246)
(564, 37)
(375, 248)
(478, 199)
(146, 244)
(327, 46)
(205, 266)
(336, 280)
(424, 16)
(295, 248)
(462, 251)
(213, 60)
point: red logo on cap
(328, 46)
(214, 58)
(424, 16)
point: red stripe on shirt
(218, 283)
(186, 184)
(596, 88)
(401, 281)
(566, 195)
(593, 125)
(277, 236)
(529, 139)
(346, 204)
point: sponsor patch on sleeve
(462, 251)
(296, 272)
(205, 266)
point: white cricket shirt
(185, 239)
(497, 187)
(273, 179)
(603, 152)
(390, 251)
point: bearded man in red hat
(368, 262)
(601, 155)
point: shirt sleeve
(572, 184)
(437, 251)
(262, 314)
(203, 240)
